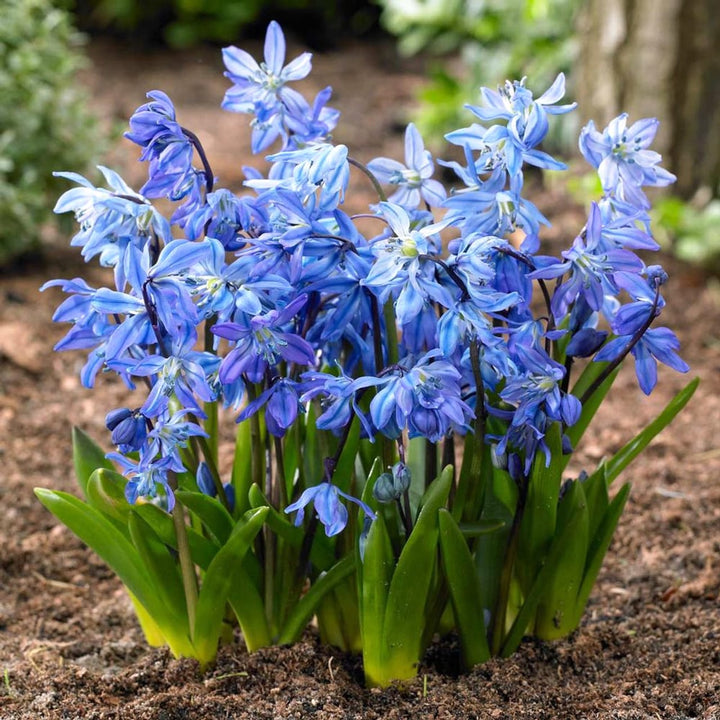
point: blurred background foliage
(184, 23)
(44, 121)
(492, 40)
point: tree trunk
(658, 58)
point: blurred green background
(649, 57)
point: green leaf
(537, 526)
(101, 535)
(555, 615)
(405, 619)
(217, 584)
(247, 604)
(242, 466)
(599, 544)
(305, 608)
(215, 518)
(541, 585)
(481, 527)
(631, 450)
(202, 550)
(105, 491)
(162, 568)
(464, 591)
(88, 456)
(586, 379)
(375, 573)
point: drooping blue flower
(146, 477)
(281, 403)
(656, 344)
(591, 268)
(325, 497)
(116, 223)
(413, 179)
(338, 396)
(166, 146)
(170, 434)
(180, 374)
(424, 397)
(308, 124)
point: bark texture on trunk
(657, 58)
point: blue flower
(261, 341)
(167, 147)
(146, 477)
(413, 179)
(591, 266)
(281, 403)
(262, 89)
(115, 223)
(656, 344)
(330, 511)
(424, 397)
(621, 155)
(402, 264)
(129, 429)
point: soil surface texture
(70, 647)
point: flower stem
(363, 168)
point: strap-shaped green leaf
(555, 615)
(105, 491)
(376, 573)
(587, 378)
(537, 526)
(247, 604)
(596, 495)
(217, 584)
(405, 619)
(215, 518)
(305, 608)
(540, 586)
(101, 535)
(599, 545)
(88, 456)
(202, 550)
(631, 450)
(242, 466)
(162, 568)
(465, 591)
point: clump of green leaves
(44, 121)
(495, 38)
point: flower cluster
(273, 302)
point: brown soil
(649, 646)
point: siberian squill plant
(358, 367)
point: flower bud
(586, 342)
(205, 480)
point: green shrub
(44, 122)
